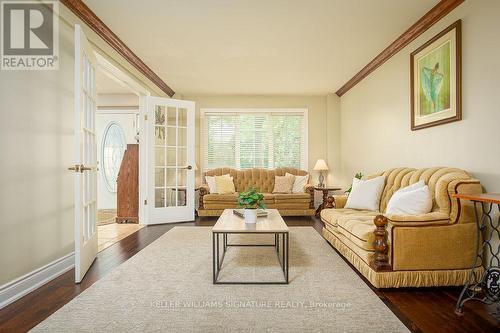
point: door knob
(188, 167)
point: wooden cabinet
(128, 186)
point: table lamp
(321, 166)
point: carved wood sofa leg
(202, 192)
(380, 260)
(330, 202)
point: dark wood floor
(422, 310)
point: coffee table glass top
(229, 222)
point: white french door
(85, 167)
(170, 159)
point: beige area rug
(167, 287)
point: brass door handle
(75, 168)
(84, 168)
(79, 168)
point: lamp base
(321, 179)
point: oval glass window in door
(113, 148)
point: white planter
(250, 215)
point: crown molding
(83, 12)
(425, 22)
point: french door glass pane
(159, 197)
(171, 116)
(160, 177)
(182, 117)
(171, 180)
(160, 115)
(89, 158)
(170, 156)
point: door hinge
(145, 201)
(145, 117)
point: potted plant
(359, 175)
(250, 201)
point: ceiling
(258, 47)
(107, 85)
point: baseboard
(25, 284)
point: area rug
(167, 287)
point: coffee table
(229, 223)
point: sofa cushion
(300, 197)
(232, 198)
(358, 229)
(214, 197)
(331, 216)
(291, 205)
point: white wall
(375, 114)
(36, 145)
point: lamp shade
(320, 165)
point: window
(246, 139)
(113, 148)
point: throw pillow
(299, 183)
(211, 182)
(283, 184)
(224, 184)
(365, 194)
(415, 199)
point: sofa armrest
(381, 260)
(203, 191)
(432, 218)
(309, 189)
(338, 200)
(462, 211)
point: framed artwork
(435, 77)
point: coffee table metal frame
(280, 245)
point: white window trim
(277, 111)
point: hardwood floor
(114, 232)
(422, 310)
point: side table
(325, 203)
(484, 287)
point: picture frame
(435, 79)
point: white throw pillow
(415, 199)
(365, 194)
(212, 188)
(299, 183)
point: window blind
(245, 140)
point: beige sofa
(293, 204)
(434, 249)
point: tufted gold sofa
(294, 204)
(391, 251)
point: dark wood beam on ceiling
(83, 12)
(425, 22)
